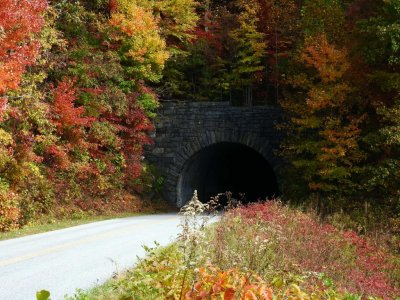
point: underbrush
(79, 212)
(164, 275)
(290, 243)
(75, 196)
(261, 251)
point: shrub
(37, 197)
(161, 275)
(273, 240)
(261, 251)
(9, 211)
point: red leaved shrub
(68, 119)
(300, 244)
(56, 157)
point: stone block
(183, 128)
(158, 151)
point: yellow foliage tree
(143, 50)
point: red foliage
(113, 5)
(210, 32)
(23, 148)
(18, 21)
(56, 157)
(352, 261)
(134, 130)
(87, 171)
(371, 263)
(65, 114)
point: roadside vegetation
(80, 82)
(264, 250)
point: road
(78, 257)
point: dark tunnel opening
(227, 167)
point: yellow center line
(96, 237)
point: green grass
(50, 225)
(106, 291)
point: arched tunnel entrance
(225, 167)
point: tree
(19, 20)
(280, 23)
(175, 18)
(196, 70)
(248, 49)
(143, 50)
(324, 16)
(151, 31)
(67, 118)
(322, 142)
(379, 40)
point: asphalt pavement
(78, 257)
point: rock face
(192, 138)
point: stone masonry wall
(184, 128)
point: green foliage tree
(327, 16)
(380, 46)
(247, 50)
(322, 123)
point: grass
(46, 225)
(105, 291)
(242, 257)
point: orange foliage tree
(323, 145)
(66, 117)
(19, 20)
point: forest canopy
(80, 82)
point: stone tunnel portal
(215, 147)
(227, 166)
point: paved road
(78, 257)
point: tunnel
(225, 167)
